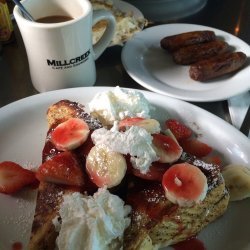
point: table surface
(228, 15)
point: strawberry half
(196, 147)
(13, 177)
(63, 169)
(179, 130)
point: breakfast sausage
(172, 43)
(193, 53)
(217, 66)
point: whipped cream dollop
(91, 222)
(135, 141)
(118, 104)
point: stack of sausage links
(207, 56)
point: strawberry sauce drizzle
(149, 197)
(189, 244)
(17, 246)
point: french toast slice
(50, 195)
(156, 222)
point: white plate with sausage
(153, 68)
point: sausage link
(175, 42)
(217, 66)
(193, 53)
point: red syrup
(189, 244)
(17, 246)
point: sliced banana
(105, 167)
(237, 179)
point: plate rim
(76, 92)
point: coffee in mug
(60, 51)
(54, 19)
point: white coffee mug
(61, 55)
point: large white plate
(154, 69)
(23, 128)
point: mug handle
(106, 38)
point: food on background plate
(129, 184)
(216, 66)
(208, 56)
(172, 43)
(127, 24)
(193, 53)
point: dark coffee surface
(54, 19)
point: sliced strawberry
(215, 159)
(179, 130)
(184, 184)
(151, 125)
(70, 134)
(63, 169)
(166, 148)
(13, 177)
(196, 147)
(155, 172)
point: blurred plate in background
(165, 10)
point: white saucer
(153, 68)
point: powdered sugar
(211, 171)
(17, 223)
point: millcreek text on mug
(55, 64)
